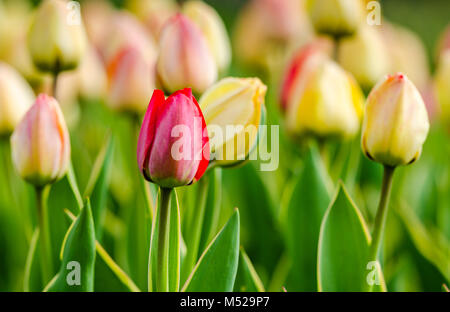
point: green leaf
(173, 241)
(97, 187)
(344, 248)
(32, 280)
(247, 279)
(307, 201)
(77, 267)
(217, 267)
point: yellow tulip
(325, 102)
(395, 122)
(210, 23)
(56, 38)
(337, 18)
(232, 109)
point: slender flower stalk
(162, 278)
(44, 239)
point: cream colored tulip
(337, 18)
(365, 56)
(16, 97)
(232, 109)
(395, 122)
(56, 39)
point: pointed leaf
(344, 248)
(77, 268)
(217, 267)
(304, 211)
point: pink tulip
(173, 145)
(40, 143)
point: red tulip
(173, 145)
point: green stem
(195, 227)
(45, 252)
(380, 218)
(162, 267)
(55, 81)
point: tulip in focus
(395, 122)
(210, 23)
(322, 99)
(16, 96)
(233, 110)
(56, 38)
(40, 144)
(185, 59)
(337, 18)
(442, 87)
(173, 145)
(365, 56)
(131, 80)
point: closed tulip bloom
(337, 18)
(131, 80)
(327, 102)
(173, 145)
(185, 59)
(210, 23)
(442, 87)
(40, 144)
(395, 122)
(233, 108)
(56, 38)
(16, 97)
(365, 56)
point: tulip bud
(337, 18)
(185, 59)
(40, 144)
(232, 108)
(442, 87)
(325, 101)
(131, 76)
(395, 122)
(173, 145)
(56, 38)
(16, 96)
(365, 56)
(210, 23)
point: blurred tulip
(365, 56)
(323, 100)
(56, 42)
(97, 16)
(407, 54)
(91, 76)
(444, 42)
(153, 13)
(442, 87)
(266, 27)
(236, 103)
(40, 143)
(185, 59)
(337, 18)
(173, 145)
(124, 31)
(210, 23)
(301, 65)
(395, 122)
(16, 96)
(131, 80)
